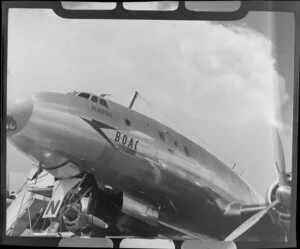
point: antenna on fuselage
(133, 100)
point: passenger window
(168, 136)
(94, 99)
(103, 102)
(127, 122)
(84, 95)
(162, 136)
(186, 151)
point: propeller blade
(96, 221)
(279, 158)
(250, 222)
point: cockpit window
(94, 99)
(84, 95)
(72, 93)
(103, 102)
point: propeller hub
(283, 194)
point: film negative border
(181, 13)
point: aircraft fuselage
(127, 152)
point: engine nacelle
(280, 214)
(140, 210)
(76, 218)
(238, 211)
(73, 220)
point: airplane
(120, 173)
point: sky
(222, 84)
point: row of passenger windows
(164, 135)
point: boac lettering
(124, 140)
(136, 144)
(126, 143)
(117, 139)
(130, 143)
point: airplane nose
(18, 114)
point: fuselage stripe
(97, 126)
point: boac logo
(11, 123)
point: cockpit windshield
(72, 93)
(103, 102)
(84, 95)
(91, 97)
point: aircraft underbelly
(139, 177)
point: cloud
(216, 72)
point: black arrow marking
(97, 126)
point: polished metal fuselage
(129, 152)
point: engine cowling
(72, 219)
(140, 210)
(78, 220)
(280, 214)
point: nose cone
(18, 114)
